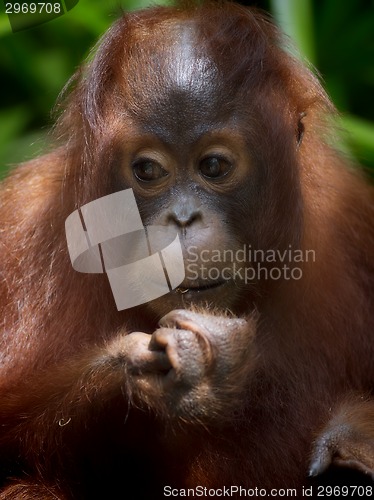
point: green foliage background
(336, 36)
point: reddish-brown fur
(73, 427)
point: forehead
(172, 81)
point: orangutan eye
(148, 170)
(214, 167)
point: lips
(199, 287)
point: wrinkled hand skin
(347, 440)
(190, 366)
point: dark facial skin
(189, 186)
(187, 160)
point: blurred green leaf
(295, 17)
(360, 137)
(12, 122)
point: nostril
(184, 219)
